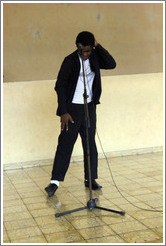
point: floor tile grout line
(65, 217)
(54, 207)
(149, 228)
(28, 209)
(6, 232)
(69, 219)
(118, 187)
(73, 226)
(31, 213)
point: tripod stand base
(91, 204)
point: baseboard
(46, 162)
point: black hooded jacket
(69, 72)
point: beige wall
(37, 36)
(129, 118)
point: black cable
(150, 210)
(115, 182)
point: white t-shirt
(89, 77)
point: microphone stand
(91, 204)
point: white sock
(55, 182)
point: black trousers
(68, 138)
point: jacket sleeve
(61, 85)
(106, 61)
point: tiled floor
(29, 215)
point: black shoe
(50, 189)
(95, 185)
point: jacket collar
(92, 60)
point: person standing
(70, 89)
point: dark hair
(86, 39)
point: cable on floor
(150, 210)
